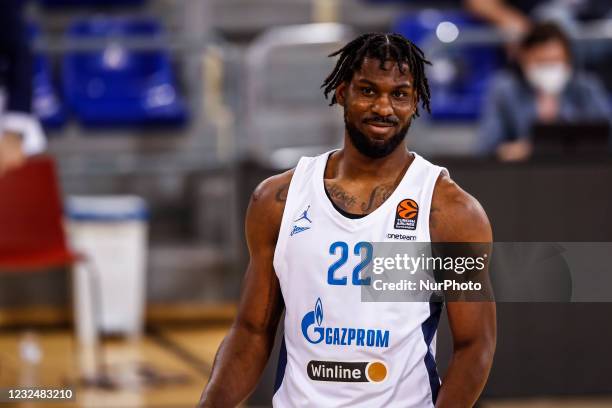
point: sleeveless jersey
(338, 351)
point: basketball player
(305, 231)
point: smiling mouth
(379, 130)
(381, 124)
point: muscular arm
(244, 352)
(458, 217)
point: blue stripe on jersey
(429, 328)
(282, 363)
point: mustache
(392, 120)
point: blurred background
(134, 131)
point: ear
(341, 93)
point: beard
(364, 145)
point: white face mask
(549, 78)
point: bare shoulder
(272, 192)
(267, 205)
(455, 215)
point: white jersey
(338, 351)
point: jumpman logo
(304, 216)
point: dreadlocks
(383, 47)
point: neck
(350, 163)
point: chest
(359, 198)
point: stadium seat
(46, 102)
(31, 215)
(116, 85)
(459, 76)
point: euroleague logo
(406, 214)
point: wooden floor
(167, 368)
(151, 372)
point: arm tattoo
(281, 193)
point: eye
(400, 94)
(367, 91)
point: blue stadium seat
(118, 86)
(459, 77)
(46, 102)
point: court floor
(167, 368)
(148, 372)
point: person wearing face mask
(545, 87)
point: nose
(382, 106)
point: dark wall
(543, 348)
(553, 201)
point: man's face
(546, 67)
(378, 107)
